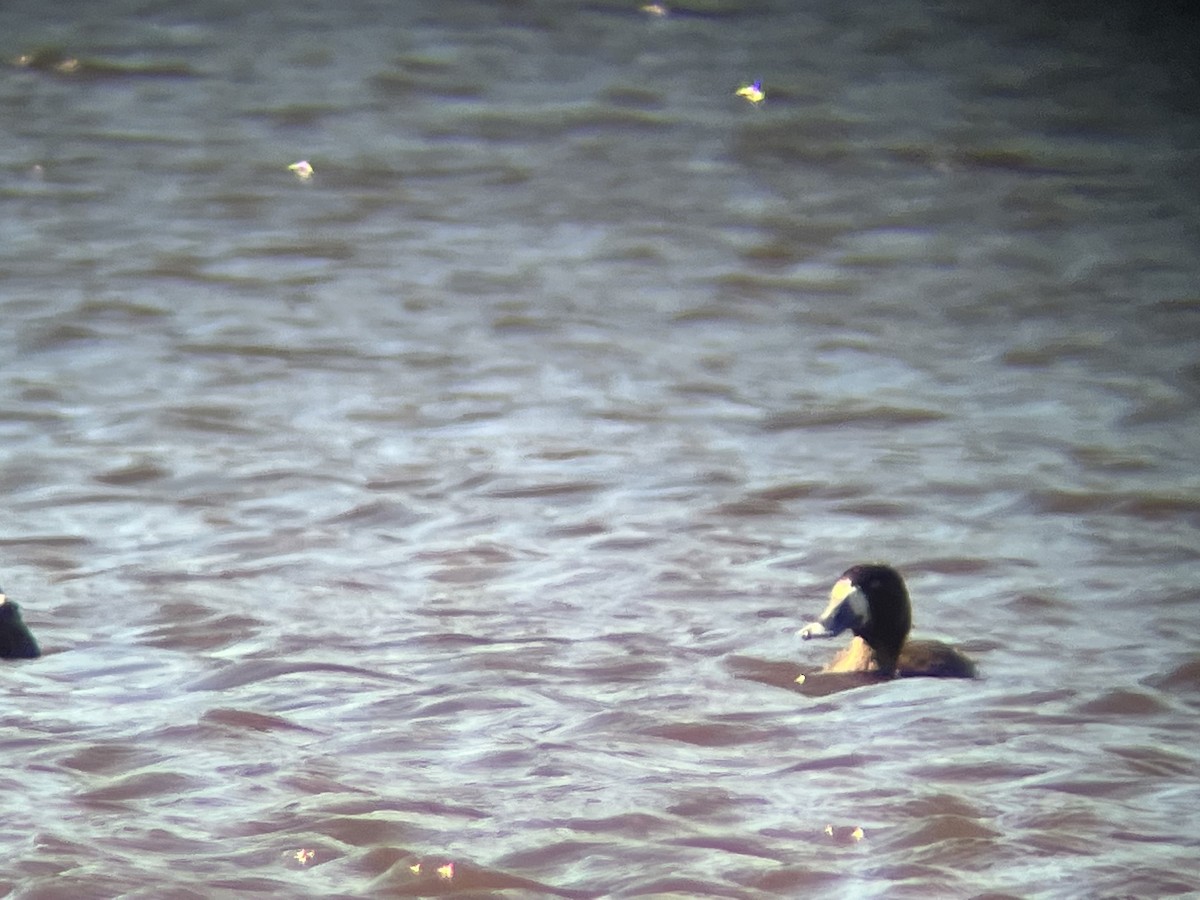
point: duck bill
(828, 626)
(847, 609)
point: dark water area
(440, 524)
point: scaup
(872, 602)
(15, 640)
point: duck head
(870, 601)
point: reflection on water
(441, 523)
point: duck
(15, 640)
(871, 601)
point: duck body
(15, 640)
(871, 601)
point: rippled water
(458, 505)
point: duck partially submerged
(15, 640)
(872, 602)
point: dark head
(872, 602)
(15, 640)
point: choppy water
(434, 510)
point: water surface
(439, 509)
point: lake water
(424, 527)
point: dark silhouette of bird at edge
(15, 640)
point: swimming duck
(15, 640)
(872, 602)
